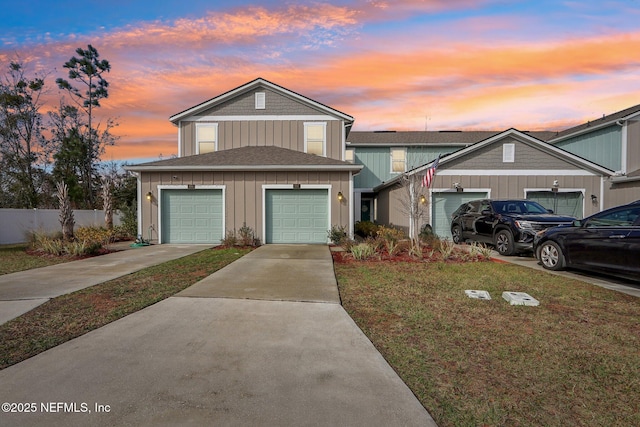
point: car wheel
(504, 242)
(551, 256)
(456, 234)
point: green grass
(69, 316)
(574, 360)
(16, 258)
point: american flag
(431, 171)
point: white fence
(16, 224)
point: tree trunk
(66, 213)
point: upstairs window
(260, 100)
(398, 160)
(349, 155)
(315, 138)
(206, 137)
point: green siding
(191, 216)
(377, 162)
(296, 216)
(603, 146)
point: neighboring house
(386, 155)
(511, 164)
(612, 141)
(259, 155)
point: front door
(365, 210)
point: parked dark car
(607, 242)
(510, 225)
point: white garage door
(296, 216)
(444, 204)
(192, 216)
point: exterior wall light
(594, 199)
(423, 200)
(149, 196)
(340, 196)
(458, 187)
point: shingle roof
(605, 120)
(428, 137)
(249, 158)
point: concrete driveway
(25, 290)
(262, 342)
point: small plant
(230, 239)
(129, 220)
(446, 248)
(391, 237)
(247, 236)
(337, 234)
(481, 249)
(100, 235)
(362, 251)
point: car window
(619, 218)
(481, 205)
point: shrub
(481, 249)
(391, 236)
(92, 235)
(366, 229)
(230, 239)
(247, 236)
(427, 236)
(337, 234)
(362, 251)
(446, 248)
(129, 221)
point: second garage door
(296, 216)
(444, 204)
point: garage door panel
(192, 216)
(443, 206)
(296, 216)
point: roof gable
(507, 136)
(252, 86)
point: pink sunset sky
(401, 65)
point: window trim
(211, 125)
(404, 151)
(324, 137)
(261, 100)
(508, 153)
(353, 155)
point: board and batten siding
(242, 193)
(280, 133)
(390, 199)
(633, 145)
(602, 146)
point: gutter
(228, 168)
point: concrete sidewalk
(216, 356)
(25, 290)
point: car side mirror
(550, 211)
(576, 223)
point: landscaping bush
(366, 229)
(362, 251)
(128, 228)
(337, 234)
(248, 236)
(391, 236)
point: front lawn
(573, 360)
(16, 258)
(69, 316)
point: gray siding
(280, 133)
(243, 194)
(275, 104)
(526, 157)
(621, 194)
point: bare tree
(107, 202)
(414, 203)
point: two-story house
(612, 141)
(259, 156)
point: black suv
(510, 225)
